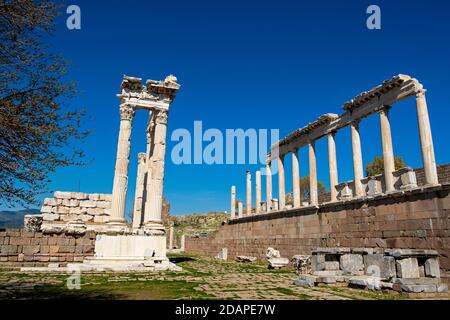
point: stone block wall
(416, 219)
(90, 210)
(24, 248)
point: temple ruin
(118, 245)
(376, 101)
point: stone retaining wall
(413, 219)
(20, 247)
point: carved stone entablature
(398, 83)
(155, 95)
(365, 104)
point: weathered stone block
(380, 266)
(8, 249)
(318, 262)
(50, 202)
(101, 219)
(104, 204)
(88, 204)
(94, 196)
(432, 268)
(30, 250)
(46, 209)
(331, 265)
(408, 268)
(62, 195)
(351, 263)
(50, 217)
(79, 195)
(95, 211)
(62, 210)
(305, 281)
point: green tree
(37, 131)
(377, 165)
(305, 191)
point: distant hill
(14, 219)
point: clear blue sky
(251, 64)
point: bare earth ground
(201, 278)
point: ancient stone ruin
(376, 101)
(118, 245)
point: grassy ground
(201, 278)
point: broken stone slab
(245, 259)
(331, 265)
(305, 280)
(369, 282)
(432, 268)
(330, 279)
(302, 263)
(276, 263)
(351, 263)
(50, 216)
(328, 273)
(416, 281)
(272, 253)
(427, 288)
(363, 250)
(408, 268)
(380, 266)
(398, 253)
(442, 287)
(331, 250)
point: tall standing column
(426, 140)
(281, 184)
(171, 237)
(357, 159)
(295, 178)
(249, 193)
(120, 185)
(258, 192)
(139, 193)
(155, 174)
(332, 165)
(233, 203)
(240, 209)
(314, 199)
(388, 152)
(268, 187)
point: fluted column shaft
(155, 172)
(120, 185)
(268, 187)
(332, 165)
(258, 192)
(249, 193)
(240, 209)
(281, 184)
(314, 198)
(139, 193)
(295, 179)
(357, 159)
(426, 140)
(388, 151)
(233, 203)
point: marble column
(332, 165)
(388, 151)
(182, 242)
(258, 192)
(426, 140)
(240, 209)
(155, 175)
(281, 184)
(139, 193)
(171, 237)
(233, 203)
(357, 160)
(268, 187)
(248, 204)
(295, 178)
(314, 199)
(120, 185)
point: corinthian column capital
(126, 112)
(161, 117)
